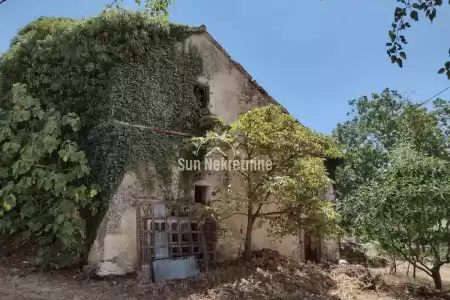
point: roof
(202, 29)
(331, 162)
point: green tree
(405, 208)
(370, 139)
(289, 186)
(411, 11)
(375, 126)
(42, 171)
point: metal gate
(169, 234)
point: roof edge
(202, 29)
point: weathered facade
(231, 93)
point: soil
(268, 276)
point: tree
(406, 209)
(369, 140)
(376, 124)
(42, 178)
(290, 185)
(403, 14)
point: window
(202, 94)
(201, 194)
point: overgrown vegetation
(409, 210)
(287, 190)
(394, 186)
(116, 67)
(41, 172)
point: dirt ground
(267, 277)
(402, 275)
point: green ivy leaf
(414, 15)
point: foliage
(407, 11)
(289, 185)
(376, 189)
(42, 171)
(155, 8)
(377, 124)
(119, 66)
(406, 209)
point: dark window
(202, 94)
(201, 194)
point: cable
(433, 96)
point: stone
(110, 268)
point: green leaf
(3, 173)
(48, 228)
(403, 55)
(432, 15)
(392, 35)
(9, 202)
(5, 117)
(414, 15)
(92, 193)
(28, 209)
(59, 219)
(442, 70)
(36, 226)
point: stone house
(123, 234)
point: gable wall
(232, 93)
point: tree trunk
(436, 275)
(394, 267)
(248, 236)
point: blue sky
(312, 56)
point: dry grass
(401, 276)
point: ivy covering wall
(121, 66)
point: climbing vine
(119, 67)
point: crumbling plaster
(232, 92)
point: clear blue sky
(312, 56)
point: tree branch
(237, 213)
(274, 213)
(258, 210)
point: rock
(110, 268)
(342, 262)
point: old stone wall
(232, 92)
